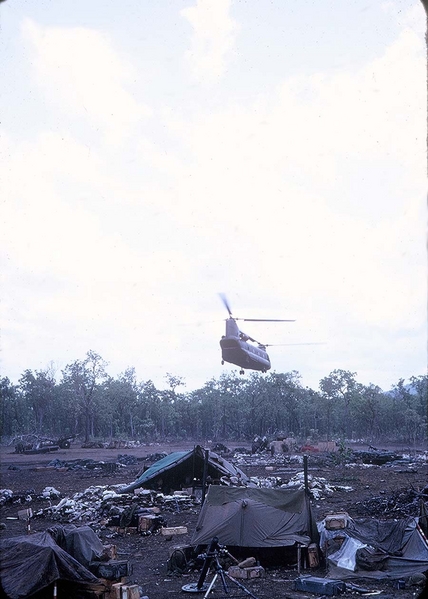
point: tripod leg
(223, 579)
(241, 586)
(211, 586)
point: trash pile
(115, 444)
(366, 459)
(266, 459)
(398, 504)
(89, 464)
(6, 496)
(27, 496)
(318, 486)
(378, 457)
(104, 504)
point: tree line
(88, 402)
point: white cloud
(79, 69)
(247, 200)
(268, 175)
(213, 38)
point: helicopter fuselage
(236, 350)
(243, 354)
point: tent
(29, 564)
(184, 469)
(370, 548)
(256, 518)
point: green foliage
(342, 455)
(89, 401)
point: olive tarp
(254, 517)
(31, 563)
(184, 469)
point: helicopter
(237, 347)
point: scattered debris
(84, 464)
(104, 506)
(5, 496)
(127, 460)
(221, 449)
(259, 444)
(318, 486)
(114, 444)
(376, 457)
(396, 504)
(50, 493)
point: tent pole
(204, 475)
(305, 473)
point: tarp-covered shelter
(185, 469)
(370, 548)
(256, 518)
(80, 542)
(29, 564)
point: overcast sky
(154, 154)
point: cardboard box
(246, 573)
(336, 521)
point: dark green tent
(253, 517)
(183, 469)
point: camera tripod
(212, 557)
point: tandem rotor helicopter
(237, 347)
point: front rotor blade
(265, 320)
(226, 303)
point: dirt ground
(375, 489)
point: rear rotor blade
(284, 344)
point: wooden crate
(246, 573)
(145, 522)
(130, 592)
(174, 530)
